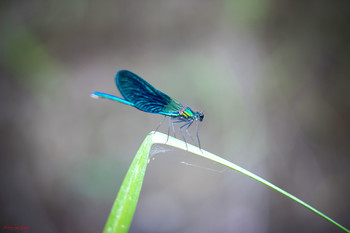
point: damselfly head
(199, 116)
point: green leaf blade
(124, 206)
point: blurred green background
(272, 78)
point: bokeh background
(272, 78)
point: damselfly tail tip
(93, 95)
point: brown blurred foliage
(272, 78)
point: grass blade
(124, 206)
(123, 209)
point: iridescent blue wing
(144, 96)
